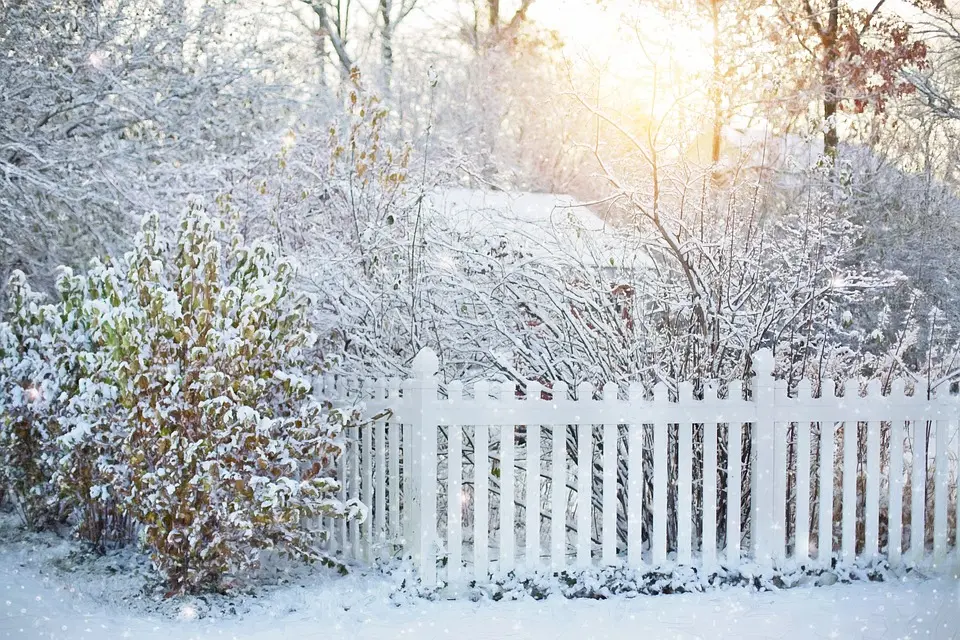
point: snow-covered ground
(46, 592)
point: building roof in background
(545, 224)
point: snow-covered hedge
(172, 388)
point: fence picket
(481, 485)
(635, 483)
(609, 524)
(380, 490)
(660, 408)
(941, 474)
(532, 526)
(872, 507)
(558, 487)
(848, 518)
(584, 481)
(895, 474)
(508, 554)
(918, 490)
(828, 392)
(454, 490)
(708, 544)
(734, 477)
(684, 480)
(393, 436)
(781, 430)
(801, 545)
(763, 480)
(366, 490)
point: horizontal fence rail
(475, 485)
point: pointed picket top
(425, 364)
(584, 391)
(711, 390)
(661, 394)
(610, 392)
(873, 389)
(804, 389)
(636, 392)
(735, 390)
(560, 390)
(481, 391)
(828, 388)
(898, 388)
(763, 362)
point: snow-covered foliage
(112, 109)
(222, 449)
(41, 363)
(173, 388)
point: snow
(43, 596)
(545, 224)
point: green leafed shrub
(221, 449)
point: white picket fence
(669, 480)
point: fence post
(424, 425)
(763, 528)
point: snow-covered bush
(40, 368)
(217, 447)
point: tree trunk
(716, 89)
(386, 44)
(831, 90)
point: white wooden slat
(380, 489)
(508, 554)
(801, 537)
(635, 483)
(956, 482)
(409, 497)
(353, 489)
(481, 487)
(366, 490)
(393, 481)
(425, 398)
(341, 537)
(763, 490)
(584, 482)
(734, 478)
(871, 546)
(827, 441)
(685, 481)
(781, 430)
(609, 516)
(532, 501)
(454, 490)
(940, 479)
(708, 545)
(895, 474)
(660, 407)
(558, 490)
(848, 518)
(918, 491)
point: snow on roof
(545, 224)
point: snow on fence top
(487, 483)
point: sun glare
(613, 33)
